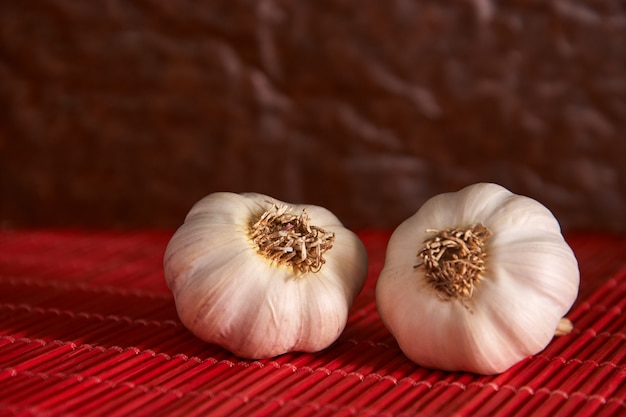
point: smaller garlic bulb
(477, 280)
(260, 277)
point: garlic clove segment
(261, 277)
(476, 280)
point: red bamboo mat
(88, 327)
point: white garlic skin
(229, 294)
(530, 282)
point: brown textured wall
(123, 113)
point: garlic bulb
(260, 277)
(477, 280)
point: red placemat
(88, 327)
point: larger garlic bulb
(261, 277)
(476, 280)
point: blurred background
(122, 114)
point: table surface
(88, 327)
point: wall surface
(124, 113)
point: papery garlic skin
(530, 281)
(229, 294)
